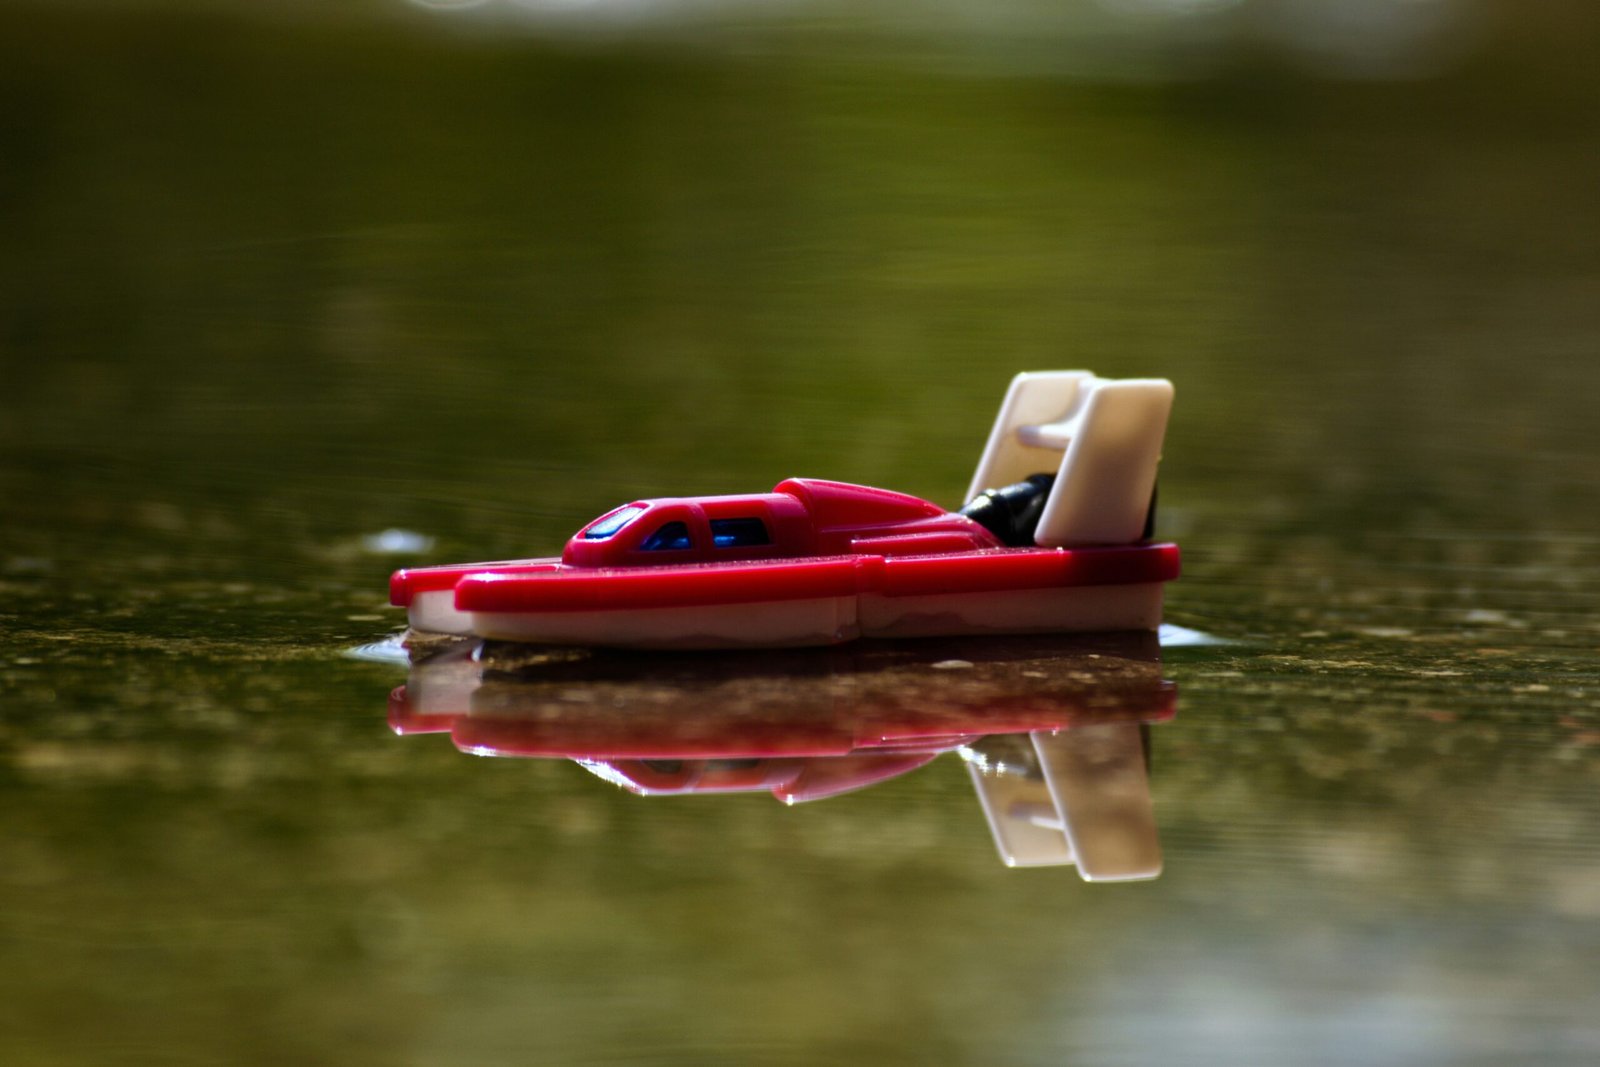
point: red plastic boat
(817, 562)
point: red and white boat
(1061, 546)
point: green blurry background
(273, 279)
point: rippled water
(271, 288)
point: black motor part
(1012, 513)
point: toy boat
(1061, 546)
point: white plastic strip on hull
(1078, 609)
(768, 624)
(832, 620)
(435, 612)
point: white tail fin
(1102, 437)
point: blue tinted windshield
(739, 533)
(671, 537)
(613, 522)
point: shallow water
(271, 288)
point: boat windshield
(671, 537)
(739, 533)
(610, 524)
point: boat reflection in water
(1054, 730)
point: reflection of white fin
(1102, 437)
(1097, 779)
(1022, 817)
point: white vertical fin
(1102, 436)
(1034, 398)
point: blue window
(613, 522)
(672, 536)
(738, 533)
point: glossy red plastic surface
(788, 526)
(1027, 568)
(841, 504)
(407, 583)
(858, 518)
(991, 570)
(607, 588)
(804, 518)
